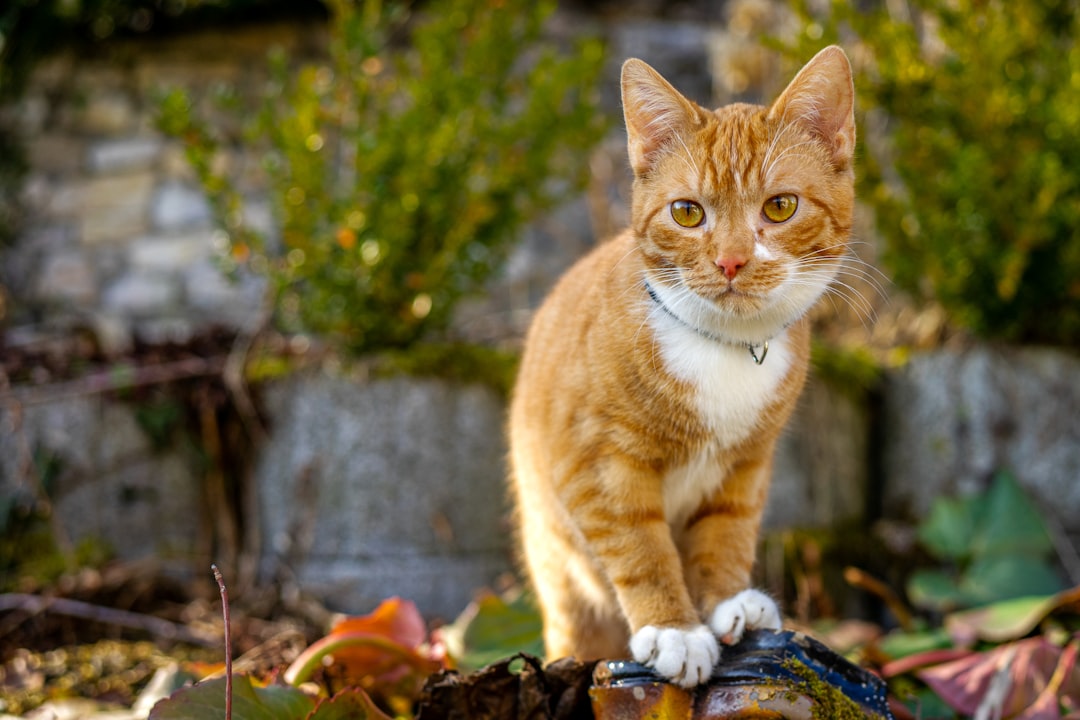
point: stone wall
(370, 489)
(118, 235)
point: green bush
(401, 171)
(971, 157)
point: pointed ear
(822, 99)
(655, 114)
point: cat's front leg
(619, 512)
(719, 545)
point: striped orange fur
(660, 371)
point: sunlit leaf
(396, 619)
(1010, 619)
(350, 704)
(206, 701)
(492, 628)
(384, 645)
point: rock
(392, 487)
(107, 482)
(107, 113)
(179, 206)
(141, 295)
(67, 276)
(956, 418)
(169, 253)
(112, 208)
(110, 156)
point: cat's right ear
(655, 112)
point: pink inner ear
(654, 111)
(821, 98)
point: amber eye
(687, 213)
(779, 208)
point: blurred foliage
(993, 546)
(971, 152)
(401, 172)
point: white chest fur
(731, 392)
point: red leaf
(1026, 666)
(396, 619)
(383, 646)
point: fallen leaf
(206, 701)
(963, 684)
(1010, 619)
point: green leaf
(950, 528)
(492, 628)
(1002, 621)
(1009, 523)
(900, 644)
(206, 701)
(934, 590)
(1004, 577)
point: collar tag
(764, 352)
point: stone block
(54, 152)
(388, 487)
(109, 484)
(107, 113)
(67, 277)
(141, 295)
(135, 153)
(954, 419)
(237, 301)
(172, 253)
(820, 473)
(179, 206)
(113, 208)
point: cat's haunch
(646, 409)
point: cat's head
(742, 214)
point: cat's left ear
(822, 99)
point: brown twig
(36, 604)
(228, 641)
(120, 377)
(864, 581)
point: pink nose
(730, 265)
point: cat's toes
(686, 657)
(751, 609)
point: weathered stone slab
(141, 295)
(125, 154)
(820, 473)
(107, 482)
(956, 418)
(179, 206)
(388, 487)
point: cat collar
(758, 359)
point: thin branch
(228, 641)
(120, 377)
(36, 604)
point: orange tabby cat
(660, 371)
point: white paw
(749, 610)
(686, 657)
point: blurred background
(265, 267)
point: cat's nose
(730, 265)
